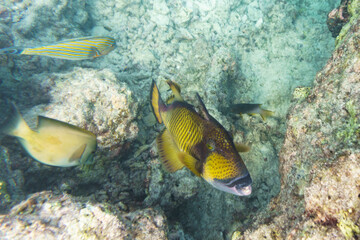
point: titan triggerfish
(199, 142)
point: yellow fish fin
(44, 122)
(170, 99)
(15, 125)
(175, 88)
(78, 153)
(168, 152)
(265, 113)
(189, 162)
(156, 101)
(242, 147)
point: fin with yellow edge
(156, 102)
(78, 153)
(175, 88)
(242, 147)
(168, 152)
(189, 162)
(265, 113)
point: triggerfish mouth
(198, 142)
(71, 49)
(54, 142)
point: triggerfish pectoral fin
(169, 152)
(189, 162)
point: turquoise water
(227, 51)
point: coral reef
(319, 161)
(47, 215)
(337, 18)
(11, 182)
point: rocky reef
(319, 161)
(47, 215)
(304, 160)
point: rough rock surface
(92, 99)
(45, 215)
(319, 161)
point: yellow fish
(198, 142)
(54, 142)
(71, 49)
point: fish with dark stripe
(71, 49)
(199, 142)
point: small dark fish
(199, 142)
(71, 49)
(251, 109)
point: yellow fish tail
(11, 50)
(156, 101)
(15, 125)
(265, 113)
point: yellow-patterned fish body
(54, 142)
(71, 49)
(198, 142)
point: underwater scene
(180, 119)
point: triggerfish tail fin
(169, 152)
(156, 102)
(14, 125)
(175, 88)
(11, 50)
(265, 113)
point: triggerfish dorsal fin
(156, 101)
(240, 147)
(11, 50)
(175, 88)
(77, 155)
(169, 152)
(189, 162)
(203, 111)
